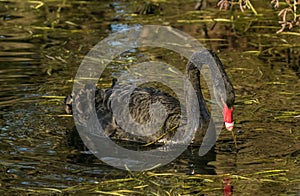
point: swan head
(224, 97)
(228, 107)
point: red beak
(228, 119)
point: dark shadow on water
(188, 162)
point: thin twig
(234, 139)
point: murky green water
(41, 48)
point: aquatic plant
(289, 16)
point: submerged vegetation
(152, 183)
(287, 10)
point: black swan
(142, 98)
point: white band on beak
(229, 126)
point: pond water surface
(42, 46)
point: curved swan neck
(193, 74)
(223, 89)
